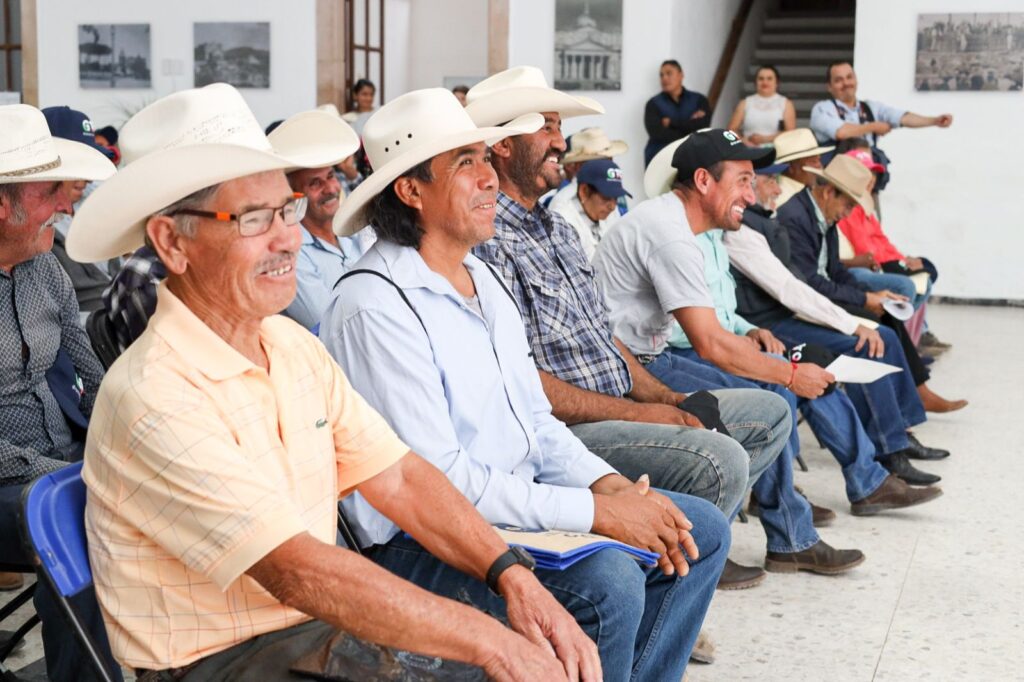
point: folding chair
(346, 532)
(101, 335)
(11, 642)
(53, 523)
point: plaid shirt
(130, 299)
(541, 260)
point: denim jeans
(644, 622)
(698, 462)
(877, 281)
(887, 407)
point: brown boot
(11, 581)
(933, 402)
(737, 577)
(819, 558)
(894, 493)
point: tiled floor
(940, 596)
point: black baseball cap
(814, 354)
(707, 147)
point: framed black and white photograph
(970, 51)
(588, 44)
(237, 53)
(113, 56)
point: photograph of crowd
(970, 51)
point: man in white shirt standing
(591, 210)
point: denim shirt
(461, 390)
(318, 267)
(541, 259)
(40, 316)
(722, 286)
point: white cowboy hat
(187, 141)
(797, 144)
(522, 90)
(849, 176)
(29, 153)
(591, 144)
(409, 130)
(660, 173)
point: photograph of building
(588, 44)
(234, 53)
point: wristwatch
(514, 556)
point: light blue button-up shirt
(829, 115)
(464, 393)
(722, 286)
(318, 267)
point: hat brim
(352, 216)
(773, 169)
(793, 156)
(77, 162)
(112, 220)
(660, 174)
(506, 105)
(616, 148)
(864, 199)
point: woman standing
(765, 114)
(363, 93)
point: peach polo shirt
(198, 464)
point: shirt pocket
(550, 308)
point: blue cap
(774, 169)
(73, 125)
(605, 176)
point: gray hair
(185, 225)
(11, 193)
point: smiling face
(532, 165)
(767, 189)
(842, 83)
(459, 203)
(726, 198)
(364, 98)
(323, 193)
(26, 223)
(235, 278)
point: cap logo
(86, 126)
(732, 137)
(614, 174)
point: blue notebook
(560, 549)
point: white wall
(955, 193)
(292, 52)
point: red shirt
(866, 236)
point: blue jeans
(896, 283)
(887, 407)
(644, 622)
(698, 462)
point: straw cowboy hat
(409, 130)
(522, 90)
(29, 153)
(850, 177)
(591, 144)
(187, 141)
(709, 146)
(797, 144)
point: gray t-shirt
(650, 264)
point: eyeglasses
(256, 222)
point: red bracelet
(792, 376)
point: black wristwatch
(514, 556)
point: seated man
(40, 328)
(653, 273)
(594, 384)
(769, 295)
(589, 144)
(809, 218)
(224, 436)
(592, 210)
(472, 403)
(799, 151)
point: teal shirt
(721, 285)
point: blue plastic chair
(53, 522)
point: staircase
(801, 45)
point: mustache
(328, 198)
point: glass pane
(3, 70)
(359, 22)
(375, 10)
(374, 74)
(15, 6)
(358, 65)
(16, 70)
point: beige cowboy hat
(410, 129)
(522, 90)
(797, 144)
(29, 153)
(187, 141)
(591, 144)
(849, 176)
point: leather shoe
(894, 493)
(919, 451)
(898, 463)
(737, 577)
(703, 650)
(11, 581)
(821, 516)
(819, 558)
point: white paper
(858, 370)
(901, 310)
(920, 280)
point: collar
(578, 205)
(309, 240)
(199, 345)
(514, 217)
(819, 216)
(407, 269)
